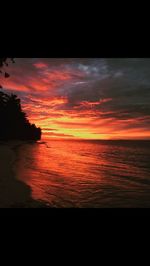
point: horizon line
(83, 139)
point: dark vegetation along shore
(15, 129)
(14, 124)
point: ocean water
(93, 174)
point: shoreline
(13, 192)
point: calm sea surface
(87, 173)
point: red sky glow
(84, 98)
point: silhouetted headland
(14, 124)
(15, 128)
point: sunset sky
(84, 98)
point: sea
(86, 173)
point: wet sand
(13, 193)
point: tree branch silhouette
(4, 62)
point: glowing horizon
(84, 98)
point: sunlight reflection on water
(87, 173)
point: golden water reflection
(85, 174)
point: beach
(13, 193)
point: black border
(75, 214)
(93, 42)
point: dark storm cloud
(127, 82)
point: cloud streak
(84, 97)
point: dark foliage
(4, 62)
(13, 121)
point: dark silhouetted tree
(13, 121)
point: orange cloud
(66, 102)
(40, 65)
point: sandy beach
(13, 193)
